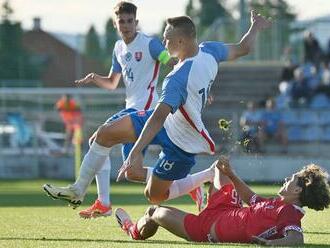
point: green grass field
(30, 219)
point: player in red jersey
(273, 221)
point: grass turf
(30, 219)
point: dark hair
(315, 188)
(125, 7)
(184, 23)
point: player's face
(171, 41)
(290, 186)
(126, 25)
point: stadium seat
(295, 133)
(290, 117)
(320, 101)
(23, 133)
(326, 134)
(283, 101)
(325, 117)
(308, 117)
(312, 133)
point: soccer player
(137, 58)
(275, 221)
(176, 122)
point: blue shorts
(173, 162)
(126, 148)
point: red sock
(134, 232)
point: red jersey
(266, 218)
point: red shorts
(198, 226)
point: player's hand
(224, 166)
(260, 21)
(88, 79)
(133, 162)
(260, 241)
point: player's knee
(103, 135)
(150, 211)
(160, 214)
(154, 197)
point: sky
(76, 16)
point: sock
(134, 232)
(91, 164)
(149, 173)
(103, 183)
(187, 184)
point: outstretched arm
(152, 126)
(110, 82)
(246, 44)
(150, 129)
(243, 190)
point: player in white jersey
(175, 124)
(137, 58)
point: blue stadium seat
(309, 117)
(295, 133)
(290, 117)
(320, 101)
(325, 118)
(312, 133)
(326, 134)
(283, 101)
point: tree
(92, 46)
(210, 13)
(110, 40)
(7, 10)
(14, 60)
(278, 37)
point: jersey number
(235, 198)
(205, 92)
(129, 74)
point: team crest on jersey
(128, 57)
(138, 56)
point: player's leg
(102, 206)
(120, 131)
(171, 219)
(157, 189)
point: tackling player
(275, 221)
(137, 58)
(176, 122)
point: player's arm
(293, 238)
(243, 190)
(152, 126)
(110, 82)
(246, 44)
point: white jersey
(185, 89)
(139, 65)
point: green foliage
(207, 14)
(15, 62)
(92, 46)
(282, 17)
(31, 219)
(7, 10)
(110, 40)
